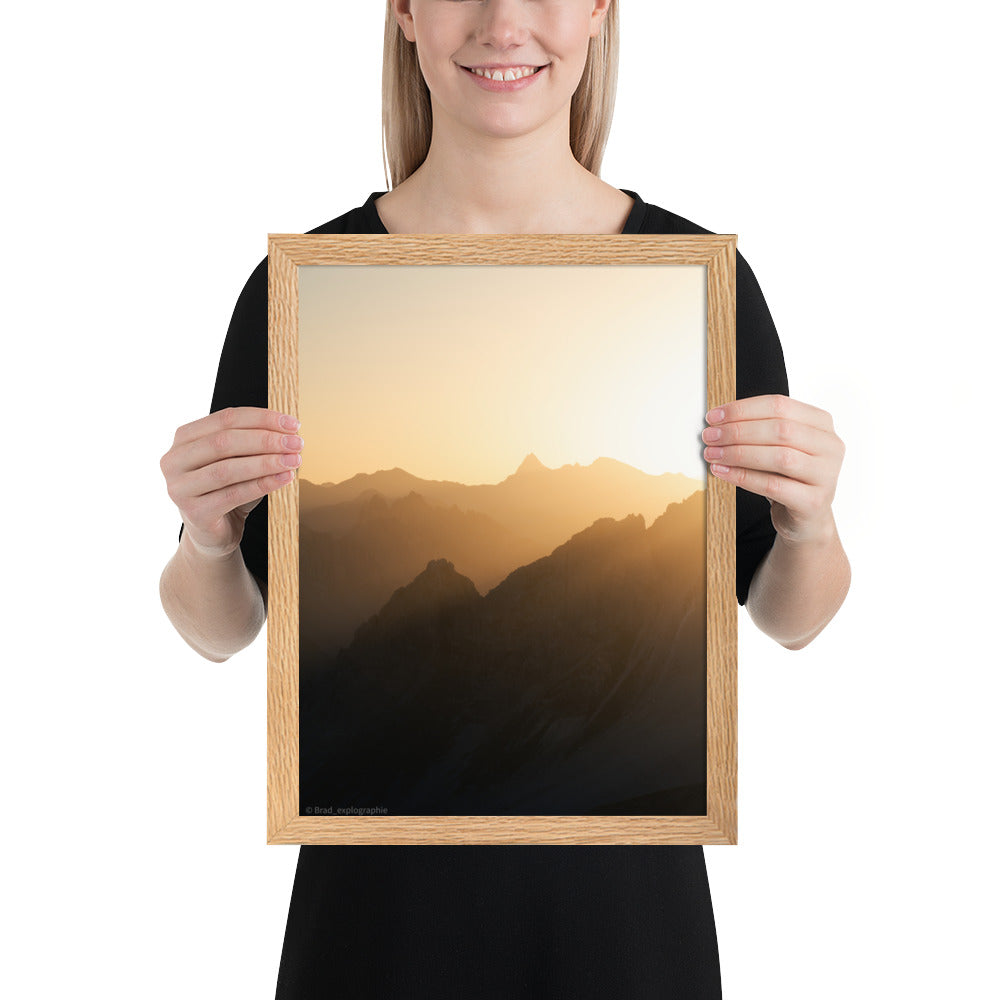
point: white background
(151, 148)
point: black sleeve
(760, 370)
(242, 381)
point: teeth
(514, 73)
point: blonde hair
(406, 101)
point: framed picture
(501, 599)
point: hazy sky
(459, 371)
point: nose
(503, 24)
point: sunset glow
(458, 372)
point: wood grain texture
(721, 553)
(446, 248)
(283, 556)
(286, 253)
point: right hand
(221, 466)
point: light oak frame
(286, 253)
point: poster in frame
(501, 602)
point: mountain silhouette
(423, 607)
(576, 685)
(346, 576)
(361, 539)
(535, 502)
(530, 464)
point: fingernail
(711, 453)
(292, 441)
(289, 423)
(711, 434)
(293, 460)
(715, 415)
(720, 470)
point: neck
(476, 183)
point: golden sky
(459, 371)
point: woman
(496, 113)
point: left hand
(783, 450)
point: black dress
(503, 921)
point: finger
(780, 489)
(225, 444)
(782, 433)
(775, 407)
(211, 507)
(236, 417)
(230, 472)
(788, 462)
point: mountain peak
(530, 464)
(437, 590)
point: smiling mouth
(504, 74)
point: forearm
(798, 588)
(213, 602)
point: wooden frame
(287, 253)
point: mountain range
(574, 683)
(361, 539)
(536, 502)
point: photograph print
(502, 545)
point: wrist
(195, 552)
(819, 534)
